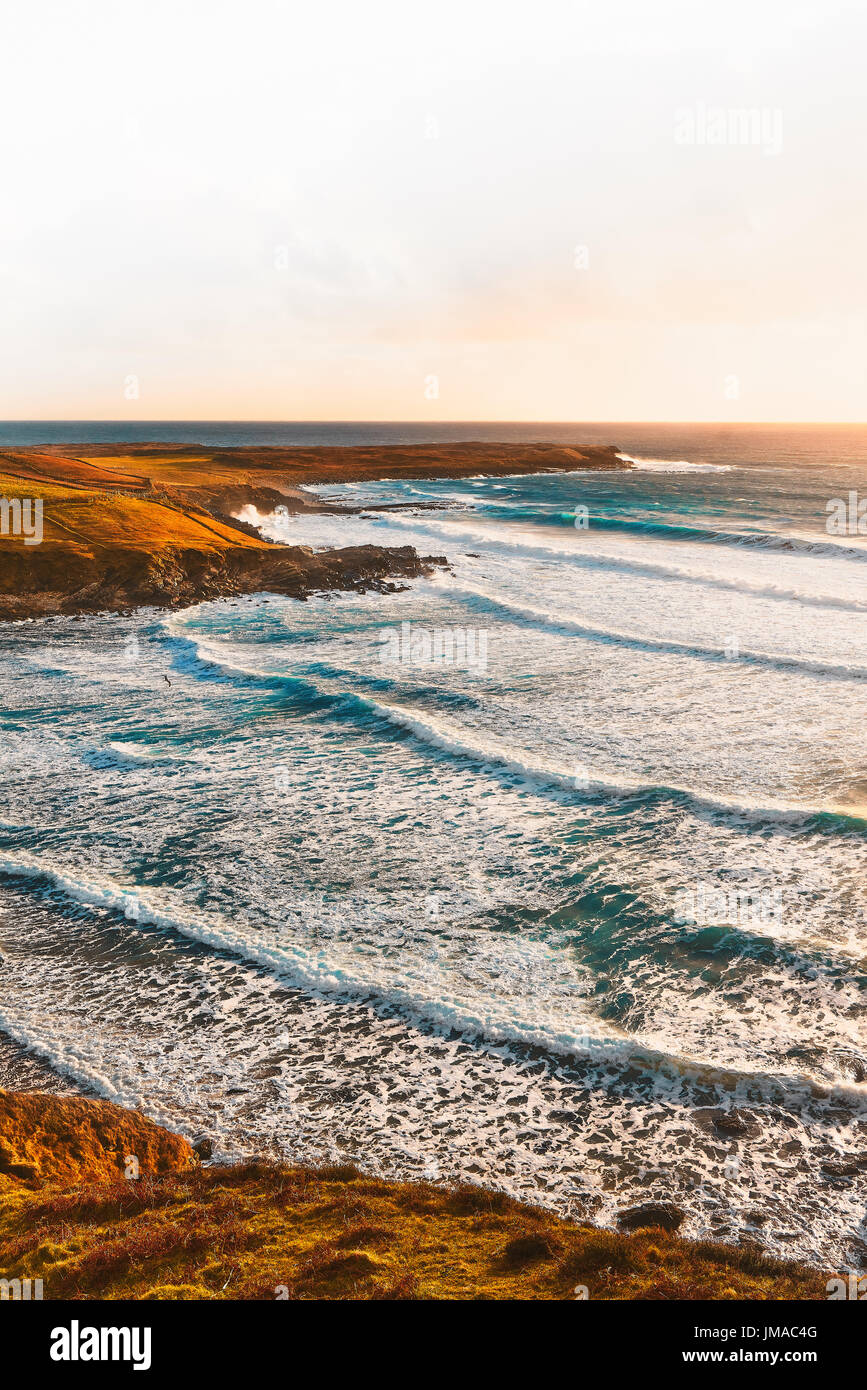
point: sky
(444, 211)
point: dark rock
(663, 1214)
(204, 1148)
(732, 1124)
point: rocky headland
(155, 524)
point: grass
(94, 517)
(259, 1232)
(70, 1217)
(104, 548)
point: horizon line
(341, 420)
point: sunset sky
(445, 211)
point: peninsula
(156, 524)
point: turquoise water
(526, 874)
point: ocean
(546, 872)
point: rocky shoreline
(126, 580)
(157, 525)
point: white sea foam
(319, 1080)
(214, 905)
(674, 465)
(560, 623)
(493, 750)
(753, 571)
(454, 740)
(416, 996)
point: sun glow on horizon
(453, 216)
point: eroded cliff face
(63, 580)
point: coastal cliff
(156, 526)
(182, 1230)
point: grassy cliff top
(263, 1231)
(153, 524)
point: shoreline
(154, 526)
(180, 517)
(102, 1203)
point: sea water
(546, 872)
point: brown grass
(256, 1231)
(215, 1234)
(63, 1140)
